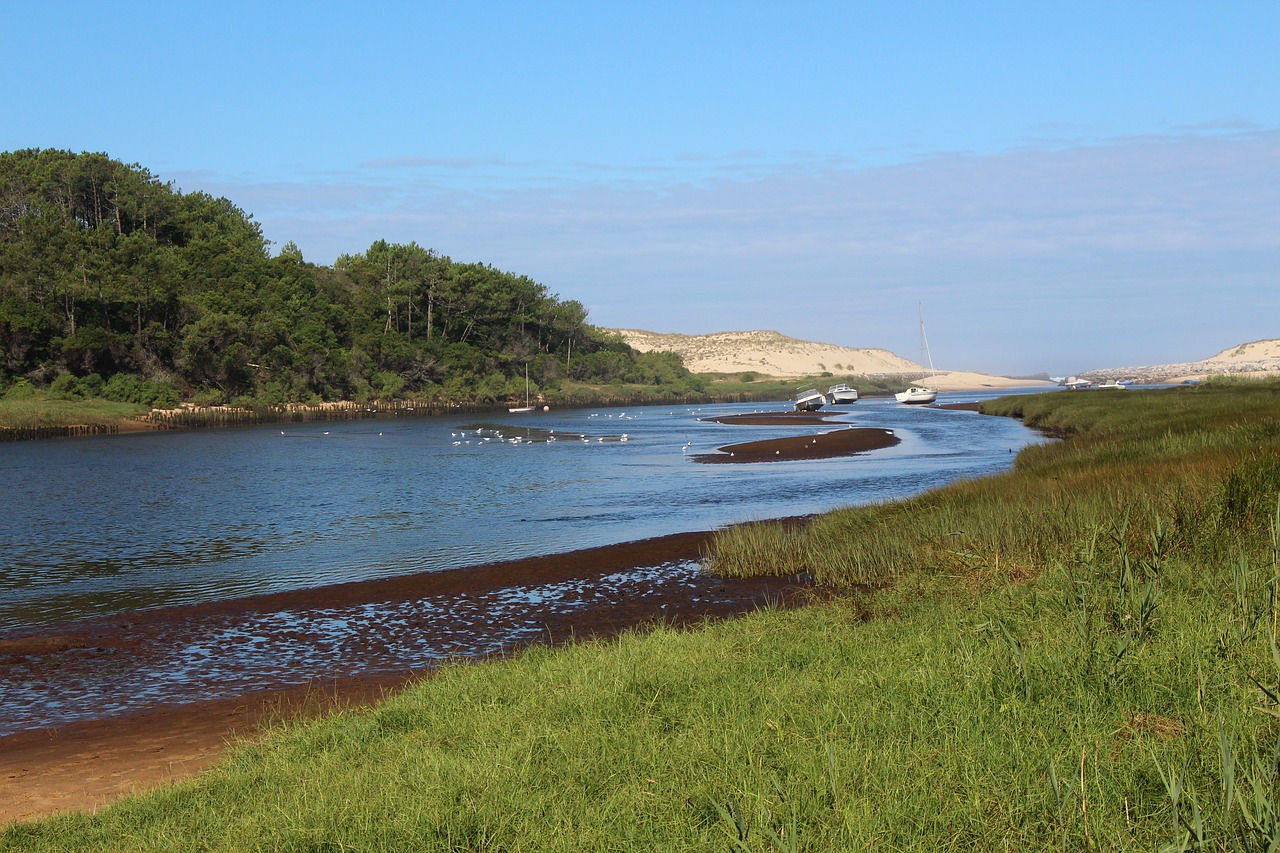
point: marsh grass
(1205, 460)
(1078, 655)
(36, 412)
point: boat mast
(924, 342)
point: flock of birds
(482, 435)
(465, 437)
(491, 434)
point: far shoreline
(191, 416)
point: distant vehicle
(809, 401)
(842, 393)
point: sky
(1056, 186)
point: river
(104, 526)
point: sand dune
(772, 354)
(1256, 358)
(1253, 352)
(767, 353)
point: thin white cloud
(417, 162)
(1061, 251)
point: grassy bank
(35, 414)
(1201, 462)
(745, 387)
(40, 412)
(1080, 654)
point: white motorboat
(921, 393)
(809, 401)
(842, 393)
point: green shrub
(91, 387)
(20, 390)
(128, 388)
(65, 387)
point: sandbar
(776, 418)
(826, 445)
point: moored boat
(842, 393)
(527, 407)
(916, 394)
(809, 401)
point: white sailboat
(921, 393)
(526, 407)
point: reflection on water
(212, 656)
(94, 526)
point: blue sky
(1063, 186)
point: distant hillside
(768, 353)
(1253, 358)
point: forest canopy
(111, 279)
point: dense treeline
(113, 282)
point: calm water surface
(96, 526)
(106, 526)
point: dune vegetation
(1083, 653)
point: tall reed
(1207, 460)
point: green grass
(748, 385)
(1205, 460)
(1081, 654)
(39, 411)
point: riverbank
(86, 765)
(45, 419)
(37, 418)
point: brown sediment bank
(777, 418)
(87, 765)
(826, 445)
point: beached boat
(916, 394)
(809, 401)
(526, 407)
(842, 393)
(921, 393)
